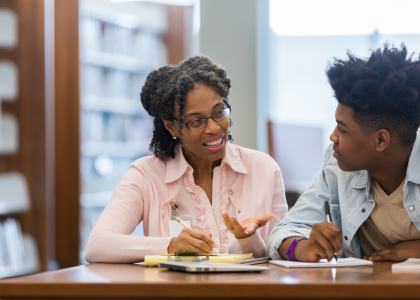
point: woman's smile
(215, 144)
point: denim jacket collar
(413, 169)
(363, 181)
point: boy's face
(354, 149)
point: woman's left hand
(247, 227)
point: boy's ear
(383, 138)
(170, 126)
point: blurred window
(306, 35)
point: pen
(186, 226)
(327, 211)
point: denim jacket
(350, 200)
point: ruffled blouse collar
(177, 167)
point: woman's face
(208, 143)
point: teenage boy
(370, 177)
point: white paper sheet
(409, 264)
(323, 263)
(175, 228)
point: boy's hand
(325, 239)
(399, 252)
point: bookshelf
(94, 163)
(24, 196)
(120, 44)
(66, 167)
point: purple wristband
(291, 251)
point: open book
(323, 263)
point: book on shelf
(12, 253)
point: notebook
(254, 261)
(153, 260)
(323, 263)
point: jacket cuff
(276, 239)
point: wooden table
(125, 281)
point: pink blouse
(247, 184)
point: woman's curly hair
(383, 90)
(172, 83)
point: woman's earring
(174, 137)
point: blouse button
(363, 210)
(345, 237)
(239, 211)
(411, 208)
(230, 192)
(215, 233)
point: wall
(228, 35)
(299, 90)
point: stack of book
(154, 260)
(12, 252)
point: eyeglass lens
(200, 123)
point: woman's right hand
(193, 240)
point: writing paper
(323, 263)
(409, 264)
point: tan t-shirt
(388, 224)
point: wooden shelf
(130, 15)
(116, 61)
(32, 205)
(115, 149)
(113, 105)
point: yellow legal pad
(153, 260)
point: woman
(227, 193)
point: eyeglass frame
(206, 119)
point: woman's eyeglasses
(199, 123)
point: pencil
(327, 211)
